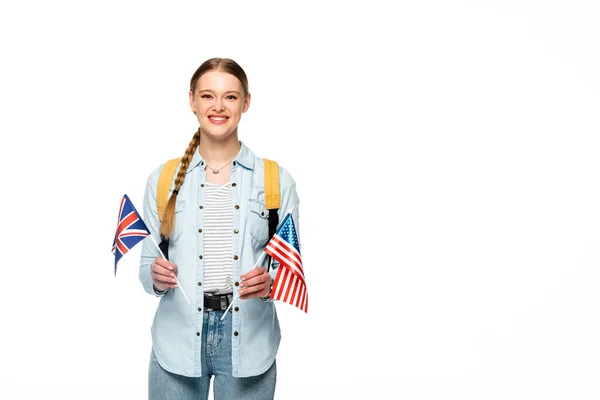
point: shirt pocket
(179, 220)
(258, 222)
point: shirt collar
(245, 157)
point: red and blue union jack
(131, 230)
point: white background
(446, 155)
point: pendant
(215, 172)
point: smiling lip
(218, 119)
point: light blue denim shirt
(177, 326)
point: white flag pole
(259, 261)
(163, 256)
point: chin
(218, 134)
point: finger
(166, 275)
(254, 291)
(261, 293)
(253, 272)
(258, 280)
(163, 285)
(163, 278)
(165, 264)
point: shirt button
(236, 309)
(197, 333)
(200, 257)
(202, 185)
(201, 207)
(199, 230)
(262, 214)
(199, 283)
(200, 309)
(235, 333)
(234, 163)
(235, 257)
(237, 207)
(237, 284)
(233, 185)
(201, 162)
(236, 231)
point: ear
(192, 106)
(246, 103)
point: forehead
(218, 81)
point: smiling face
(219, 100)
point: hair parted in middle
(227, 65)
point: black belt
(217, 301)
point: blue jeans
(216, 361)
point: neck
(218, 152)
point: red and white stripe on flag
(289, 285)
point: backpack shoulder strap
(164, 184)
(272, 198)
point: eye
(206, 96)
(231, 97)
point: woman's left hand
(255, 283)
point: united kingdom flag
(131, 230)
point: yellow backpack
(272, 198)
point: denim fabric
(216, 361)
(177, 328)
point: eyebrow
(212, 91)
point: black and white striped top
(218, 228)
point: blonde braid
(168, 222)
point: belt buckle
(223, 301)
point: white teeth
(218, 118)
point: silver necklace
(216, 171)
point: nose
(218, 105)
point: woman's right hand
(163, 274)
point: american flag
(131, 230)
(289, 285)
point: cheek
(201, 107)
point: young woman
(217, 225)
